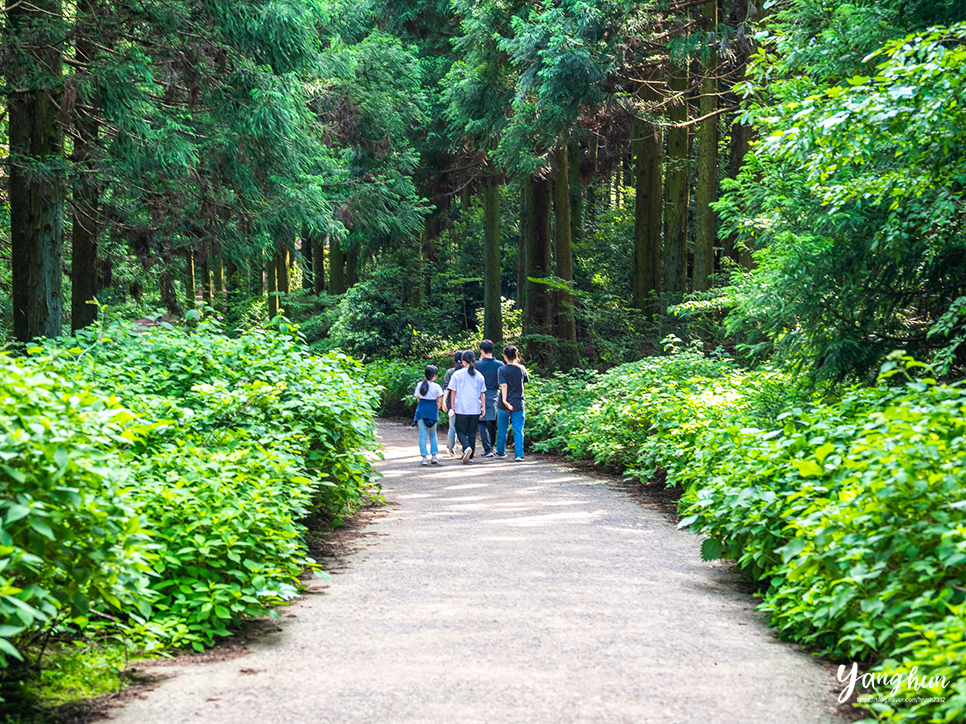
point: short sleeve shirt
(432, 393)
(468, 390)
(514, 377)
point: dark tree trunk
(566, 326)
(706, 192)
(205, 268)
(537, 313)
(677, 190)
(218, 283)
(336, 267)
(86, 192)
(646, 283)
(351, 269)
(308, 271)
(318, 266)
(190, 282)
(576, 194)
(526, 228)
(492, 292)
(282, 277)
(36, 199)
(271, 267)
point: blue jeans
(505, 418)
(423, 432)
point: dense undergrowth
(155, 482)
(846, 508)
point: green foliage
(847, 509)
(853, 197)
(180, 512)
(71, 529)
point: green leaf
(711, 549)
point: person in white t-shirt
(467, 391)
(429, 396)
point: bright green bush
(848, 510)
(201, 480)
(70, 532)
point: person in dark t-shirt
(512, 378)
(488, 367)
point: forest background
(748, 215)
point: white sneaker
(425, 461)
(434, 461)
(502, 456)
(466, 455)
(488, 454)
(519, 460)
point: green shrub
(848, 510)
(70, 531)
(161, 475)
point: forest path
(510, 592)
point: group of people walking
(485, 396)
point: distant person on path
(487, 366)
(429, 395)
(468, 400)
(509, 409)
(451, 433)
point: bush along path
(509, 592)
(154, 484)
(846, 507)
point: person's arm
(503, 395)
(483, 403)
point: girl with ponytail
(466, 390)
(429, 395)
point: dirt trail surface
(509, 592)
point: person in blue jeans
(512, 378)
(429, 395)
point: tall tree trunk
(538, 259)
(282, 277)
(169, 297)
(707, 164)
(741, 135)
(205, 268)
(576, 193)
(318, 265)
(591, 204)
(233, 285)
(271, 269)
(336, 267)
(190, 282)
(492, 292)
(677, 190)
(566, 327)
(526, 229)
(351, 269)
(308, 271)
(86, 193)
(218, 283)
(646, 284)
(36, 199)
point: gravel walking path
(510, 592)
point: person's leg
(422, 437)
(491, 428)
(503, 420)
(471, 434)
(463, 424)
(485, 436)
(433, 433)
(451, 434)
(517, 417)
